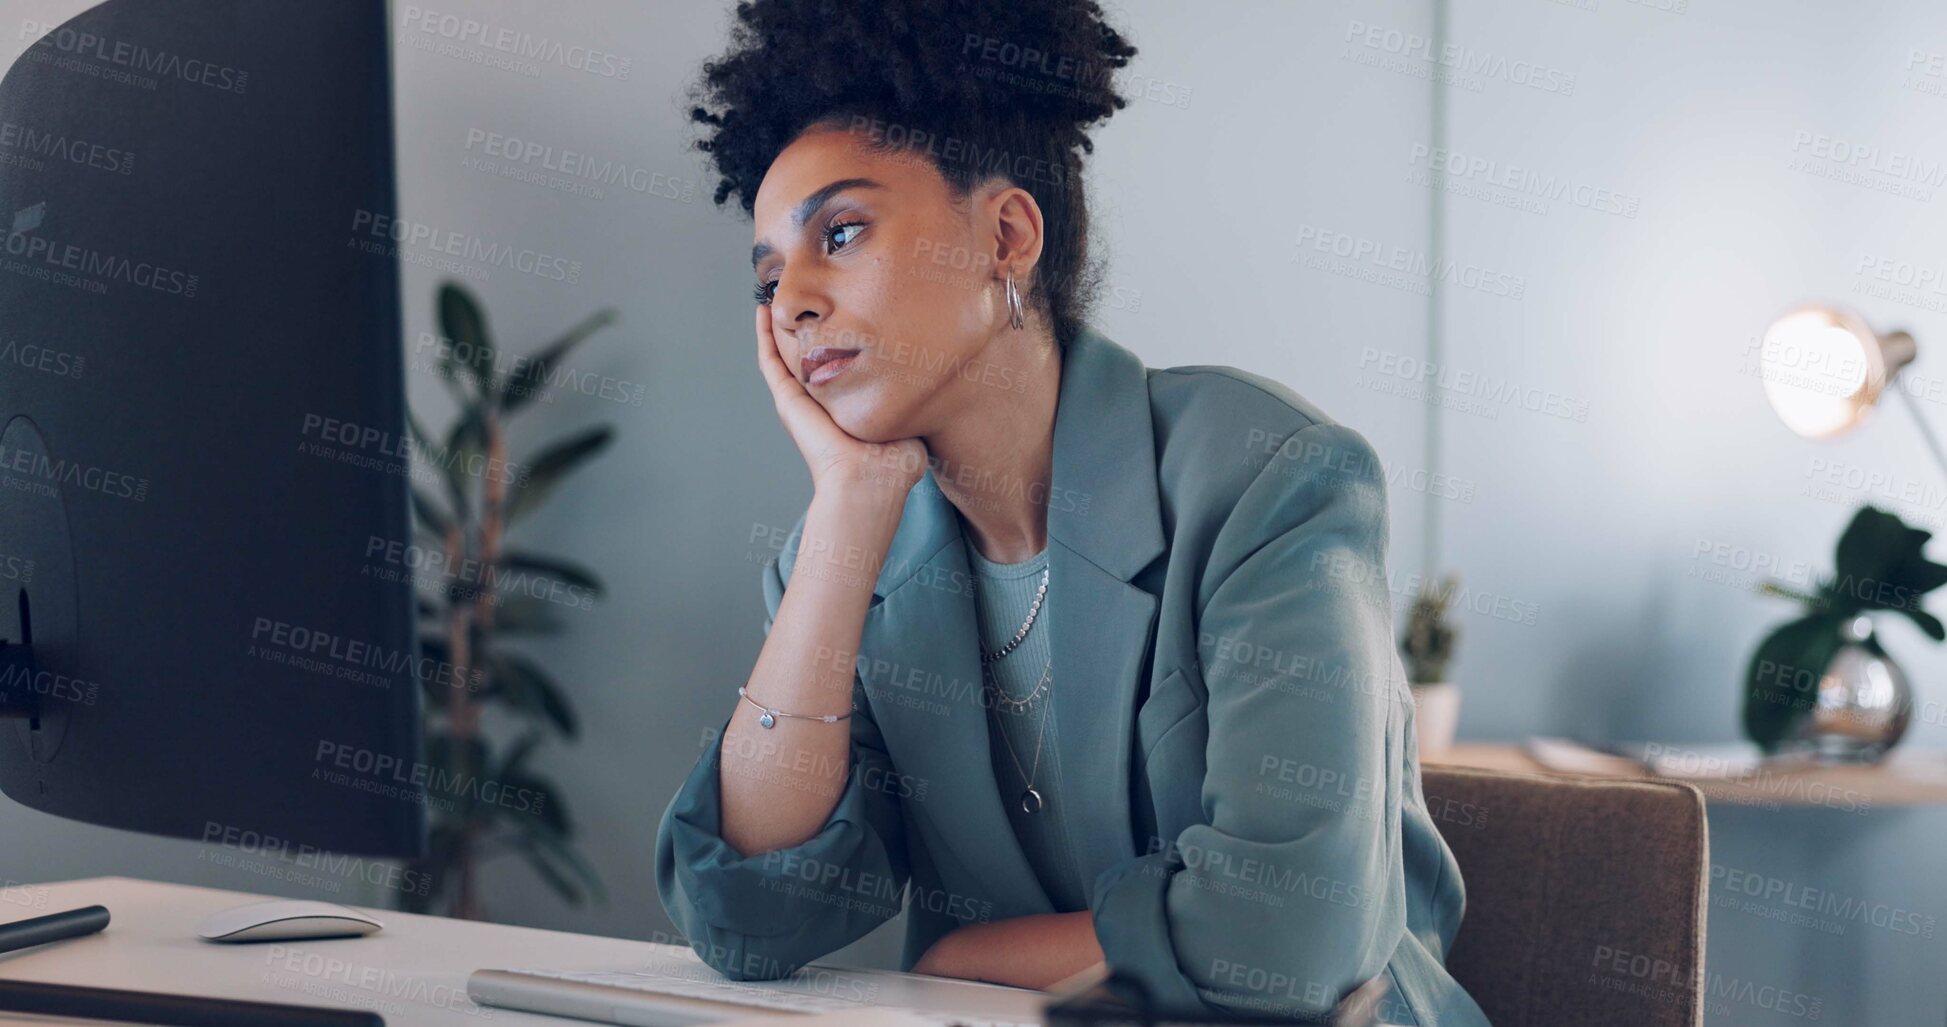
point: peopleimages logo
(515, 43)
(277, 641)
(1867, 156)
(471, 248)
(21, 143)
(36, 254)
(1526, 182)
(33, 471)
(124, 55)
(41, 358)
(1462, 60)
(567, 169)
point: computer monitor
(202, 428)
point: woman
(1073, 659)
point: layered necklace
(1030, 798)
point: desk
(413, 973)
(1908, 777)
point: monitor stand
(17, 698)
(41, 677)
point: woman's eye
(767, 291)
(831, 234)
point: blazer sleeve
(1290, 893)
(763, 916)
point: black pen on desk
(67, 1000)
(40, 930)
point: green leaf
(563, 857)
(547, 566)
(1928, 623)
(556, 878)
(441, 861)
(436, 456)
(547, 470)
(523, 615)
(429, 513)
(1882, 564)
(437, 687)
(463, 322)
(1781, 682)
(465, 443)
(454, 755)
(468, 432)
(422, 438)
(457, 456)
(549, 815)
(527, 687)
(1777, 588)
(582, 868)
(527, 383)
(516, 758)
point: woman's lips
(824, 363)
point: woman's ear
(1018, 234)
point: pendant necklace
(1031, 801)
(1030, 798)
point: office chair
(1585, 896)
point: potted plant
(1821, 684)
(484, 599)
(1428, 646)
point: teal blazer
(1231, 715)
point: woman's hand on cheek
(838, 460)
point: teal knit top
(1002, 599)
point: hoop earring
(1015, 319)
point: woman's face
(870, 252)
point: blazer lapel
(1104, 526)
(919, 655)
(920, 664)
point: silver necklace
(1031, 800)
(1030, 797)
(1034, 610)
(1001, 698)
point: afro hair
(979, 88)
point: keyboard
(691, 986)
(671, 994)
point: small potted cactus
(1428, 647)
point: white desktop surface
(413, 972)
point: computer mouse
(286, 921)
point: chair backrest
(1585, 896)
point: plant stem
(479, 612)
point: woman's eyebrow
(809, 206)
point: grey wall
(1634, 534)
(1279, 218)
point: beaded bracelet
(769, 719)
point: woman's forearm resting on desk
(1025, 952)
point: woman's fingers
(768, 359)
(786, 390)
(807, 422)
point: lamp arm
(1926, 432)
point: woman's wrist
(847, 533)
(863, 489)
(859, 516)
